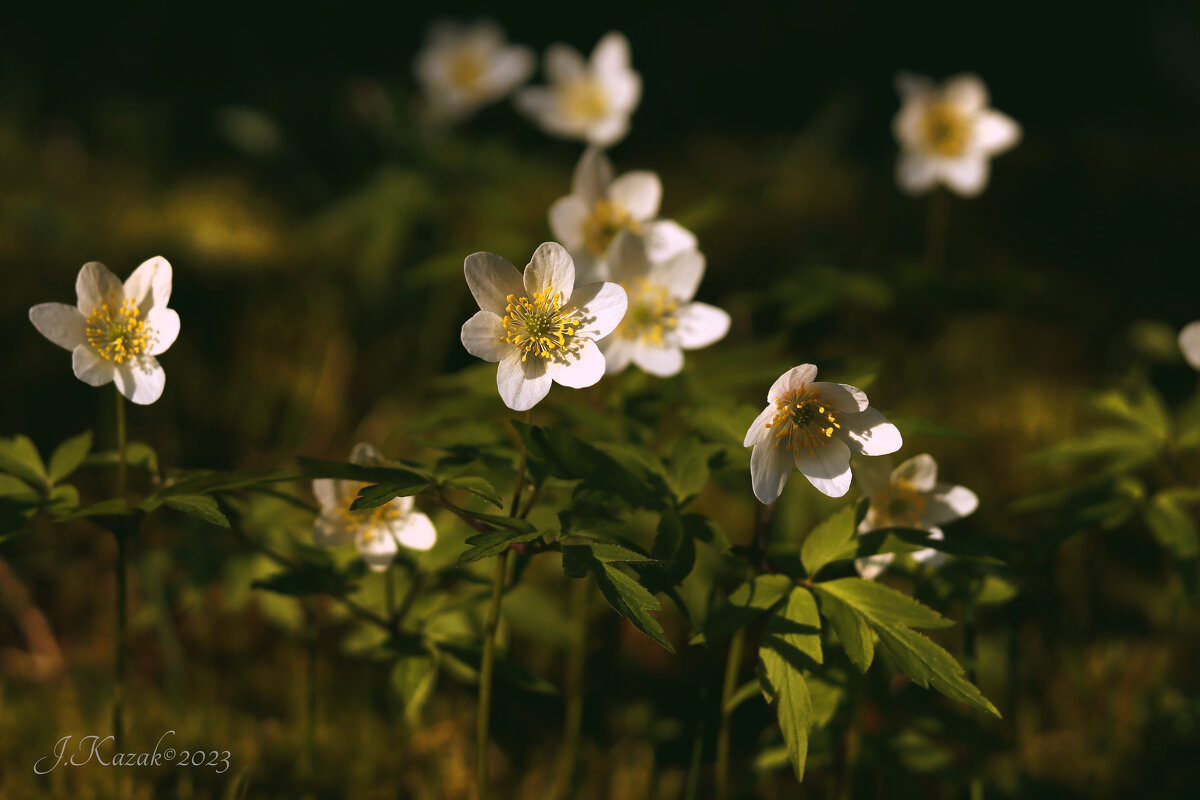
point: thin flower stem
(310, 715)
(734, 660)
(389, 593)
(574, 689)
(120, 446)
(122, 567)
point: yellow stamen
(945, 130)
(605, 222)
(899, 505)
(803, 422)
(117, 331)
(584, 100)
(541, 325)
(652, 312)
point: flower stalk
(122, 568)
(732, 662)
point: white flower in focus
(590, 101)
(540, 327)
(1189, 343)
(947, 134)
(814, 427)
(462, 68)
(662, 321)
(909, 497)
(376, 532)
(115, 330)
(588, 220)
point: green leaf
(910, 540)
(1173, 525)
(201, 506)
(929, 665)
(673, 548)
(69, 456)
(830, 541)
(19, 456)
(476, 486)
(378, 494)
(342, 470)
(631, 600)
(704, 529)
(496, 521)
(882, 604)
(688, 472)
(16, 489)
(743, 693)
(797, 624)
(138, 455)
(570, 458)
(413, 678)
(493, 542)
(783, 683)
(745, 604)
(851, 628)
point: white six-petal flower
(662, 320)
(814, 427)
(910, 496)
(462, 68)
(115, 330)
(588, 220)
(377, 532)
(947, 134)
(1189, 343)
(540, 327)
(590, 101)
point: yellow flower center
(605, 222)
(117, 331)
(584, 100)
(651, 312)
(370, 520)
(541, 325)
(899, 505)
(803, 421)
(945, 130)
(466, 68)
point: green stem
(485, 674)
(122, 536)
(574, 689)
(120, 446)
(734, 660)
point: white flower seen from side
(589, 101)
(662, 320)
(463, 68)
(910, 496)
(814, 427)
(947, 134)
(599, 207)
(378, 532)
(539, 326)
(115, 330)
(1189, 343)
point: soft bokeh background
(317, 233)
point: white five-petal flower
(377, 532)
(115, 330)
(588, 220)
(662, 320)
(947, 134)
(814, 427)
(909, 497)
(1189, 343)
(590, 101)
(463, 68)
(540, 327)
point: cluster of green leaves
(27, 483)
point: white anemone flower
(662, 320)
(115, 330)
(947, 134)
(540, 327)
(814, 427)
(909, 497)
(378, 532)
(599, 207)
(590, 101)
(463, 68)
(1189, 343)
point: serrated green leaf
(673, 548)
(496, 521)
(476, 486)
(493, 542)
(851, 628)
(69, 456)
(882, 604)
(570, 458)
(797, 624)
(744, 605)
(378, 494)
(344, 470)
(19, 456)
(688, 471)
(201, 506)
(138, 455)
(704, 529)
(631, 600)
(833, 539)
(783, 683)
(1172, 525)
(930, 665)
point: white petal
(794, 378)
(661, 361)
(415, 531)
(165, 324)
(589, 268)
(481, 336)
(627, 258)
(567, 217)
(869, 433)
(603, 306)
(624, 90)
(995, 132)
(639, 193)
(150, 284)
(948, 503)
(828, 468)
(680, 274)
(402, 505)
(699, 325)
(618, 352)
(509, 69)
(564, 63)
(758, 428)
(141, 381)
(872, 567)
(90, 367)
(933, 558)
(967, 175)
(377, 546)
(326, 492)
(522, 384)
(330, 530)
(916, 173)
(609, 131)
(550, 270)
(908, 124)
(611, 54)
(593, 175)
(96, 285)
(580, 371)
(366, 454)
(920, 471)
(1189, 343)
(965, 92)
(770, 467)
(60, 323)
(491, 280)
(666, 238)
(845, 398)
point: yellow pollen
(945, 130)
(117, 331)
(541, 325)
(584, 100)
(466, 68)
(803, 422)
(604, 223)
(651, 315)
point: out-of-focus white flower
(909, 497)
(592, 100)
(814, 427)
(1189, 343)
(540, 327)
(947, 134)
(115, 330)
(377, 532)
(463, 68)
(588, 220)
(662, 320)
